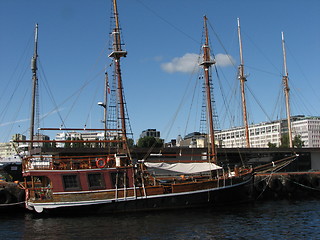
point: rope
(11, 204)
(269, 177)
(302, 185)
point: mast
(243, 79)
(206, 64)
(105, 103)
(117, 53)
(34, 85)
(286, 89)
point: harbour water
(261, 220)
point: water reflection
(268, 220)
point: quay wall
(287, 185)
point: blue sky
(161, 38)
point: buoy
(101, 163)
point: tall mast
(34, 84)
(243, 79)
(116, 54)
(286, 89)
(105, 105)
(206, 64)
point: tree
(272, 145)
(147, 142)
(296, 142)
(285, 141)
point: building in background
(9, 151)
(263, 134)
(150, 133)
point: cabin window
(95, 180)
(71, 182)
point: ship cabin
(51, 178)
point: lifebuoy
(101, 163)
(5, 197)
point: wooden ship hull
(127, 189)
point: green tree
(272, 145)
(284, 141)
(146, 142)
(296, 142)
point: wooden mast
(243, 79)
(286, 89)
(105, 105)
(116, 54)
(34, 85)
(206, 64)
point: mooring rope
(11, 204)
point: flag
(108, 88)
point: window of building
(71, 182)
(95, 180)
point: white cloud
(189, 62)
(185, 64)
(224, 60)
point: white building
(90, 136)
(9, 151)
(309, 130)
(260, 135)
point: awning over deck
(180, 168)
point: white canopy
(181, 168)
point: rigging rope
(167, 22)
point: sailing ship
(109, 180)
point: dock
(286, 185)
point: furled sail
(180, 168)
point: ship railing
(71, 162)
(40, 193)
